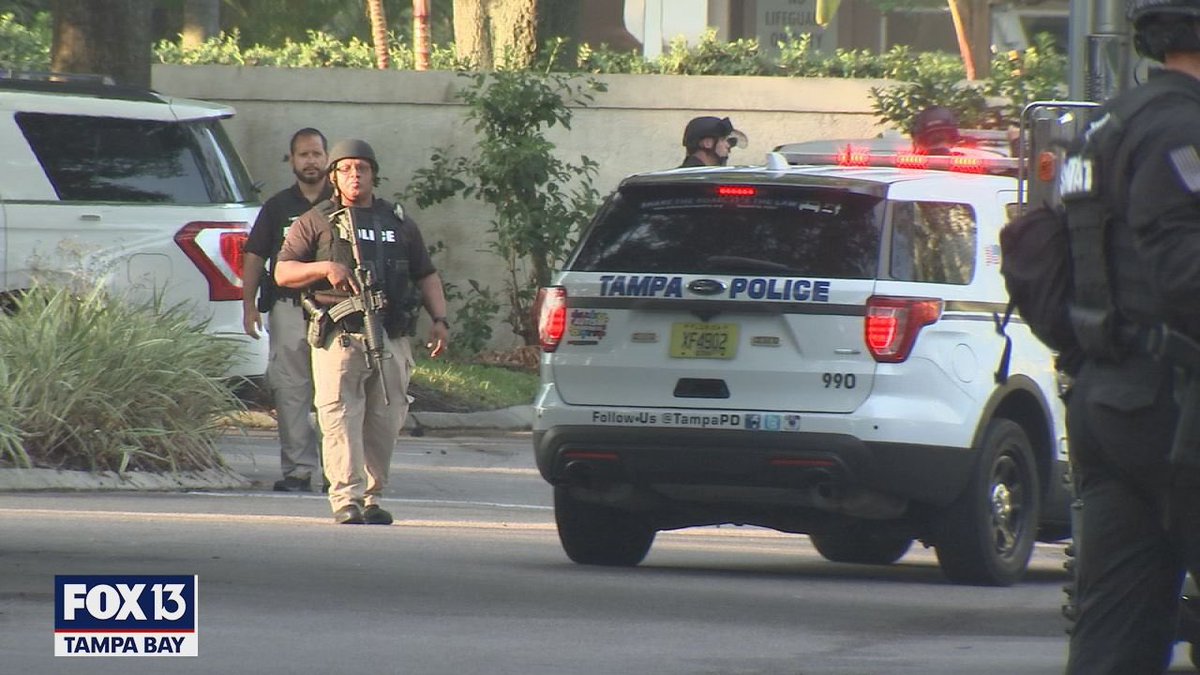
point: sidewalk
(516, 418)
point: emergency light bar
(861, 156)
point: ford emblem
(706, 286)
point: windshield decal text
(753, 288)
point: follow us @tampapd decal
(126, 615)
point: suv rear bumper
(751, 459)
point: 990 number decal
(838, 380)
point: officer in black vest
(361, 401)
(1132, 196)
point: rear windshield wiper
(735, 263)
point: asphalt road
(471, 580)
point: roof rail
(53, 76)
(79, 84)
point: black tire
(986, 537)
(593, 534)
(862, 546)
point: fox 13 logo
(123, 615)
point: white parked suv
(124, 185)
(809, 346)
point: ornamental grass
(93, 381)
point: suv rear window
(691, 230)
(933, 242)
(106, 159)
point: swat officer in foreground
(1132, 199)
(332, 252)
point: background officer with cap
(935, 131)
(360, 415)
(289, 368)
(1132, 202)
(708, 141)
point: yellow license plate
(704, 340)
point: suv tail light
(216, 248)
(892, 325)
(551, 311)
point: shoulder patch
(399, 211)
(1186, 162)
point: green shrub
(539, 200)
(25, 47)
(96, 382)
(321, 50)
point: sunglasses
(732, 141)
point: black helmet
(706, 127)
(711, 127)
(1164, 26)
(352, 148)
(1136, 10)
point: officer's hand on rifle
(341, 278)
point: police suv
(126, 186)
(811, 346)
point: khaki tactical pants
(358, 431)
(289, 377)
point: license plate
(704, 340)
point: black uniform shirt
(1163, 205)
(272, 223)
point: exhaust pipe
(857, 502)
(579, 474)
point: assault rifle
(370, 298)
(1184, 353)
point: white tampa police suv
(808, 346)
(124, 185)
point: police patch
(1186, 162)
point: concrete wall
(635, 126)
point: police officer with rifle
(365, 273)
(1131, 194)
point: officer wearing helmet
(1131, 193)
(708, 141)
(360, 416)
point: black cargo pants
(1130, 565)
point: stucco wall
(635, 126)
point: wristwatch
(442, 320)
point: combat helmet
(1164, 26)
(352, 148)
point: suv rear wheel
(861, 545)
(593, 534)
(987, 535)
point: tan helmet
(352, 148)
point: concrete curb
(516, 418)
(56, 479)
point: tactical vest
(388, 260)
(1112, 293)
